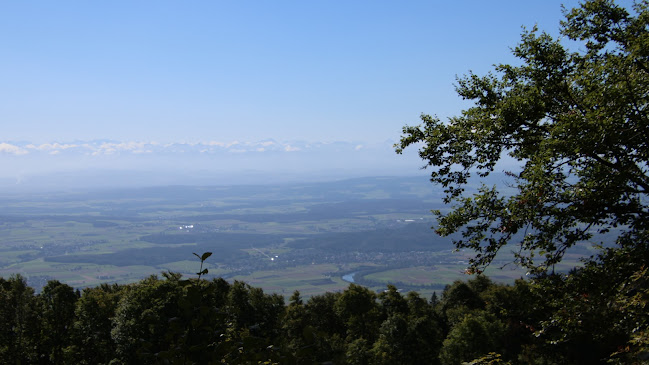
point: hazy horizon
(171, 93)
(92, 164)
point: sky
(191, 72)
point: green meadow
(280, 238)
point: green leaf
(205, 256)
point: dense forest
(196, 321)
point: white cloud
(109, 148)
(115, 148)
(52, 146)
(12, 150)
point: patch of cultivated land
(281, 238)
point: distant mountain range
(110, 163)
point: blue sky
(172, 71)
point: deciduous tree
(57, 306)
(576, 122)
(572, 114)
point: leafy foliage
(172, 320)
(577, 123)
(58, 302)
(19, 325)
(203, 257)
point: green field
(281, 238)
